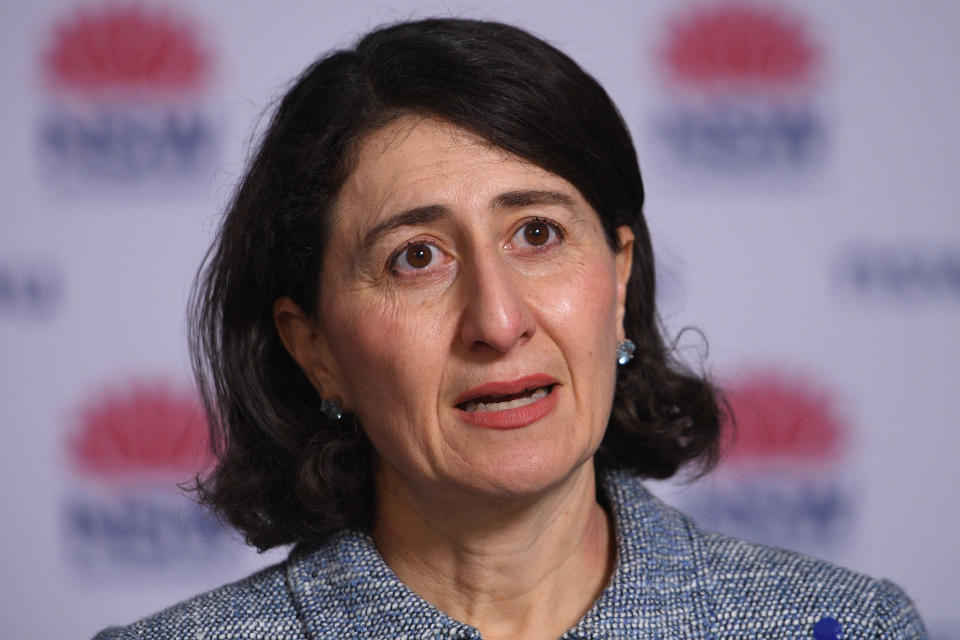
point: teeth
(510, 404)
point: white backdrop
(801, 160)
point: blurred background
(801, 160)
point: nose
(496, 311)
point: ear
(624, 265)
(307, 345)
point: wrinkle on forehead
(375, 180)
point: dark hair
(288, 474)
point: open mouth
(511, 401)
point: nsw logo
(781, 479)
(126, 104)
(740, 80)
(123, 514)
(905, 272)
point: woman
(427, 340)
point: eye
(417, 256)
(537, 233)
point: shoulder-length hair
(286, 473)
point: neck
(513, 568)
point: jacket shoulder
(761, 591)
(256, 607)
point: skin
(498, 528)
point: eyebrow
(518, 199)
(434, 212)
(408, 218)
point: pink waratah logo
(142, 427)
(738, 44)
(779, 419)
(126, 48)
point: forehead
(418, 161)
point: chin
(522, 474)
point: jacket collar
(345, 589)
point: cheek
(592, 358)
(585, 328)
(389, 352)
(393, 357)
(584, 304)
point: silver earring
(332, 408)
(625, 351)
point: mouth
(509, 404)
(506, 401)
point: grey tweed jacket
(672, 581)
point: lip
(506, 387)
(510, 418)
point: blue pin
(827, 629)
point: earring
(625, 351)
(332, 408)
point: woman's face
(469, 313)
